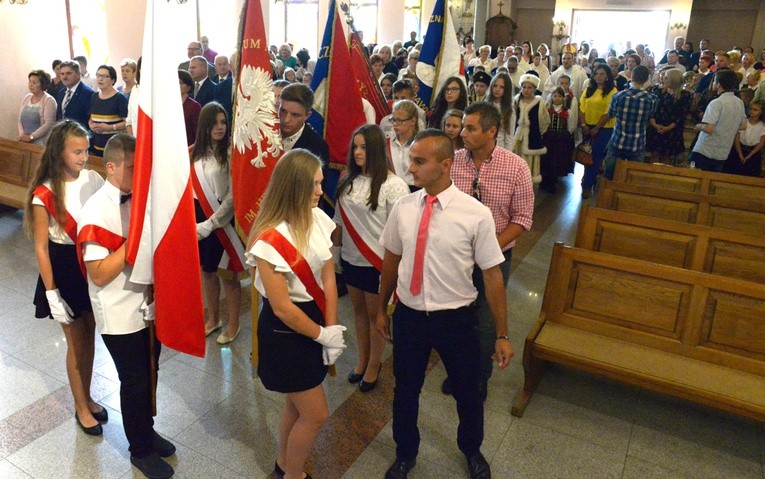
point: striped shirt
(632, 108)
(503, 184)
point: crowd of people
(430, 206)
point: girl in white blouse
(210, 151)
(60, 187)
(298, 334)
(365, 197)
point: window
(612, 29)
(364, 14)
(290, 21)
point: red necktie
(422, 240)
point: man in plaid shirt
(501, 180)
(632, 109)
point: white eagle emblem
(256, 116)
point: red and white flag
(162, 240)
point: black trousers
(130, 353)
(454, 335)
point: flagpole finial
(346, 8)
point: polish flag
(162, 240)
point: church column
(479, 27)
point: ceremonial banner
(440, 55)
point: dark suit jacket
(311, 141)
(206, 92)
(223, 96)
(78, 108)
(211, 73)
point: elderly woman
(484, 59)
(38, 110)
(128, 69)
(108, 110)
(411, 66)
(377, 64)
(389, 66)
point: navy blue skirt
(365, 278)
(288, 361)
(69, 280)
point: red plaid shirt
(504, 185)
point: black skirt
(210, 248)
(365, 278)
(69, 280)
(289, 362)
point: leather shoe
(225, 339)
(96, 430)
(353, 378)
(365, 387)
(102, 415)
(446, 387)
(162, 446)
(478, 467)
(280, 472)
(399, 469)
(214, 328)
(152, 466)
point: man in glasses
(500, 180)
(195, 49)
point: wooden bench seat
(689, 334)
(692, 181)
(696, 247)
(734, 213)
(18, 163)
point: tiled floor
(225, 424)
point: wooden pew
(688, 334)
(18, 163)
(692, 181)
(735, 213)
(696, 247)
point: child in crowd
(559, 141)
(533, 120)
(746, 155)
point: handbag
(583, 154)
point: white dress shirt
(461, 235)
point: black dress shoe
(446, 387)
(162, 446)
(278, 470)
(152, 466)
(102, 415)
(96, 430)
(353, 378)
(400, 469)
(365, 387)
(478, 467)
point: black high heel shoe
(365, 387)
(96, 430)
(353, 378)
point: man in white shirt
(577, 74)
(433, 239)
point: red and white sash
(106, 230)
(49, 201)
(299, 266)
(233, 260)
(366, 251)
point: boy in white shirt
(123, 309)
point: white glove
(336, 255)
(204, 229)
(60, 311)
(330, 355)
(331, 336)
(148, 310)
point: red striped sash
(226, 234)
(365, 250)
(299, 266)
(49, 201)
(100, 235)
